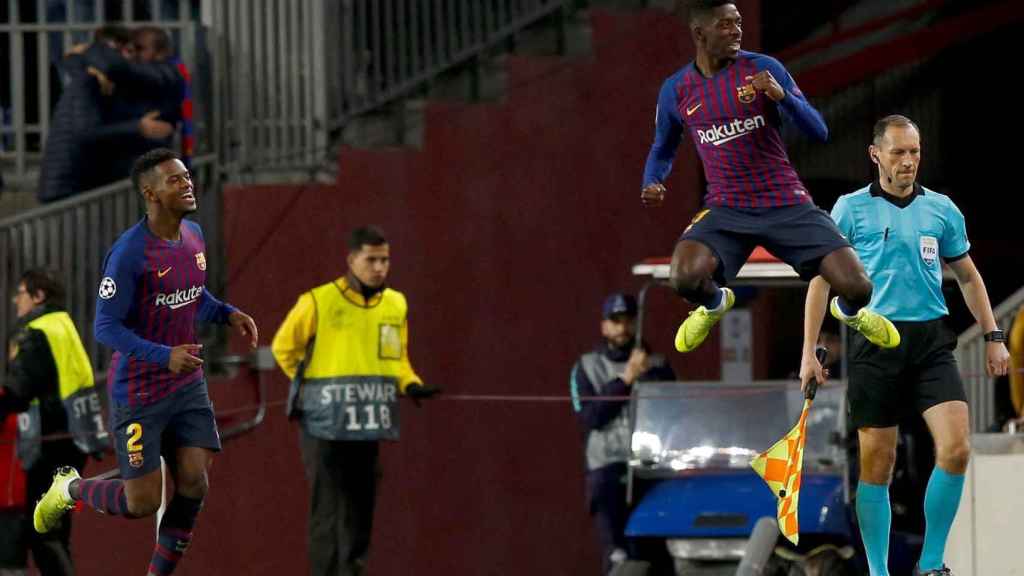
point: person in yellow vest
(344, 345)
(50, 385)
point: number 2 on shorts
(134, 432)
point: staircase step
(400, 124)
(15, 200)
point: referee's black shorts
(885, 386)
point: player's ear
(696, 32)
(873, 153)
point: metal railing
(71, 236)
(33, 43)
(971, 356)
(389, 47)
(290, 73)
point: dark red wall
(507, 230)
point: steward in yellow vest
(50, 385)
(347, 359)
(344, 346)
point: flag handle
(820, 353)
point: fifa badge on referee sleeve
(929, 250)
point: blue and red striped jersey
(736, 132)
(151, 294)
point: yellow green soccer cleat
(875, 327)
(55, 502)
(698, 324)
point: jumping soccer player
(152, 292)
(732, 103)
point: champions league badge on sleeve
(107, 288)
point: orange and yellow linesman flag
(780, 466)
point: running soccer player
(903, 232)
(732, 103)
(152, 292)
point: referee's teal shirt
(902, 243)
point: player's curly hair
(143, 164)
(699, 9)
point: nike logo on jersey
(162, 273)
(691, 110)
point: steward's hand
(417, 391)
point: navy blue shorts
(143, 433)
(799, 235)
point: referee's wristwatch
(996, 335)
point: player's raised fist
(652, 195)
(763, 81)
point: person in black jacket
(75, 119)
(109, 113)
(48, 374)
(145, 107)
(610, 370)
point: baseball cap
(618, 303)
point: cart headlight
(646, 446)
